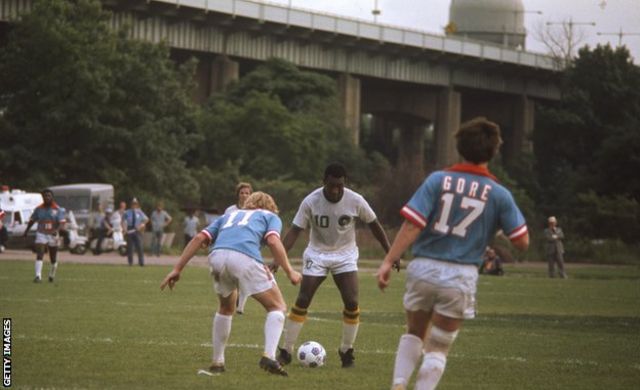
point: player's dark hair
(478, 140)
(242, 185)
(46, 191)
(336, 170)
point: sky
(431, 15)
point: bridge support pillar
(447, 123)
(523, 118)
(411, 152)
(223, 72)
(349, 88)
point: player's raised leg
(347, 283)
(298, 315)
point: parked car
(85, 200)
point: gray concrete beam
(447, 123)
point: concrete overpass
(409, 83)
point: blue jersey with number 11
(243, 231)
(460, 210)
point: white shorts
(444, 287)
(47, 239)
(316, 263)
(234, 270)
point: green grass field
(101, 326)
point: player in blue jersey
(51, 219)
(236, 264)
(449, 220)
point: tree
(83, 103)
(587, 146)
(561, 40)
(277, 122)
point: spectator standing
(554, 248)
(134, 221)
(160, 219)
(115, 218)
(190, 225)
(103, 228)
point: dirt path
(105, 258)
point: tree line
(80, 102)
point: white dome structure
(497, 21)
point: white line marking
(207, 373)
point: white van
(18, 206)
(85, 200)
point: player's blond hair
(261, 200)
(478, 140)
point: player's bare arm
(281, 259)
(288, 241)
(522, 243)
(290, 238)
(407, 234)
(187, 254)
(31, 222)
(381, 236)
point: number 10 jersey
(333, 226)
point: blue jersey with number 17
(460, 210)
(243, 231)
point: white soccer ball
(311, 354)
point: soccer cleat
(347, 358)
(272, 366)
(50, 279)
(37, 279)
(284, 357)
(216, 368)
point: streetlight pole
(571, 23)
(619, 34)
(375, 11)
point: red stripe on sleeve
(518, 232)
(414, 217)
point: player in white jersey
(236, 264)
(243, 190)
(330, 213)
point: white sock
(407, 356)
(219, 336)
(39, 269)
(273, 325)
(349, 333)
(292, 331)
(431, 370)
(52, 270)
